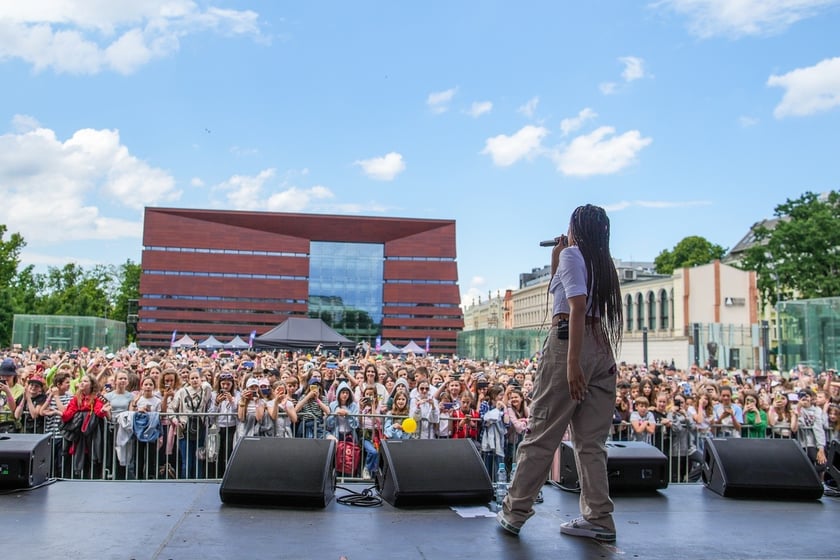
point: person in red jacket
(86, 450)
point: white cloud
(808, 90)
(738, 18)
(196, 182)
(245, 192)
(530, 107)
(439, 101)
(254, 192)
(507, 150)
(608, 88)
(25, 123)
(634, 68)
(656, 204)
(52, 189)
(384, 168)
(42, 260)
(478, 108)
(91, 36)
(572, 124)
(747, 121)
(297, 199)
(239, 151)
(600, 152)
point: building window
(628, 313)
(640, 311)
(664, 310)
(345, 286)
(651, 311)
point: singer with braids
(575, 381)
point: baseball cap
(253, 382)
(8, 367)
(37, 379)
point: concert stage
(178, 520)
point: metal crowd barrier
(205, 454)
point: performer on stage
(575, 381)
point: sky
(679, 117)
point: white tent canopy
(237, 343)
(389, 348)
(412, 347)
(184, 342)
(210, 342)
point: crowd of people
(180, 413)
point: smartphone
(355, 368)
(248, 364)
(332, 365)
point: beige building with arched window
(717, 302)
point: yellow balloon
(409, 425)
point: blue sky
(681, 117)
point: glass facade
(500, 344)
(809, 333)
(345, 286)
(67, 332)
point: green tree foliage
(691, 251)
(101, 291)
(800, 256)
(9, 262)
(126, 278)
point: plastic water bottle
(512, 471)
(501, 485)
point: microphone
(549, 243)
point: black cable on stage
(365, 498)
(19, 490)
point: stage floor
(179, 520)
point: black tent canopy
(299, 333)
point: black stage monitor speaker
(760, 468)
(631, 466)
(425, 472)
(282, 472)
(25, 459)
(834, 461)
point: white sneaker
(365, 473)
(580, 527)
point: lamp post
(645, 345)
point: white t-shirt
(570, 279)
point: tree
(9, 262)
(691, 251)
(801, 254)
(127, 287)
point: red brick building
(226, 273)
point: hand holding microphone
(561, 240)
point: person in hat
(10, 391)
(311, 409)
(29, 405)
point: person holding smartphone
(575, 383)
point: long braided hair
(590, 228)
